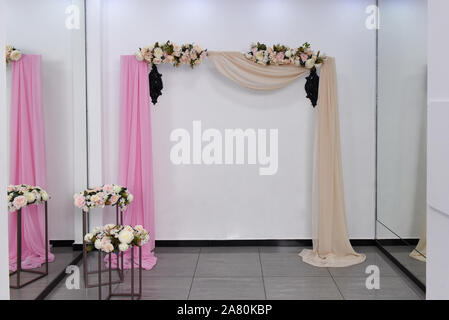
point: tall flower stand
(134, 295)
(19, 269)
(99, 271)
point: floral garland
(115, 238)
(172, 53)
(23, 195)
(12, 54)
(107, 195)
(280, 54)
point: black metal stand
(19, 269)
(133, 295)
(86, 271)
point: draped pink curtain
(27, 159)
(135, 155)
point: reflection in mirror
(401, 132)
(46, 82)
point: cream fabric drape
(331, 246)
(420, 252)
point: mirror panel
(55, 29)
(401, 131)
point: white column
(79, 117)
(438, 152)
(4, 170)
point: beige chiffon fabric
(420, 253)
(331, 246)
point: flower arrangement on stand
(12, 54)
(168, 52)
(22, 195)
(280, 54)
(107, 195)
(116, 238)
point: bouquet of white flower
(107, 195)
(12, 54)
(22, 195)
(116, 238)
(280, 54)
(169, 52)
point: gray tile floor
(402, 254)
(63, 256)
(259, 273)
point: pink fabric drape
(27, 159)
(135, 155)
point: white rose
(248, 55)
(197, 48)
(139, 56)
(288, 53)
(130, 197)
(88, 237)
(44, 196)
(108, 247)
(123, 246)
(30, 197)
(117, 188)
(125, 237)
(97, 244)
(310, 63)
(15, 55)
(158, 53)
(259, 55)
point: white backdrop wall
(234, 202)
(437, 280)
(38, 27)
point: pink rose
(185, 58)
(20, 202)
(108, 188)
(114, 199)
(80, 201)
(280, 56)
(304, 57)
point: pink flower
(304, 57)
(108, 188)
(20, 202)
(185, 58)
(114, 199)
(80, 201)
(280, 56)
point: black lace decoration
(156, 85)
(312, 84)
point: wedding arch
(262, 68)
